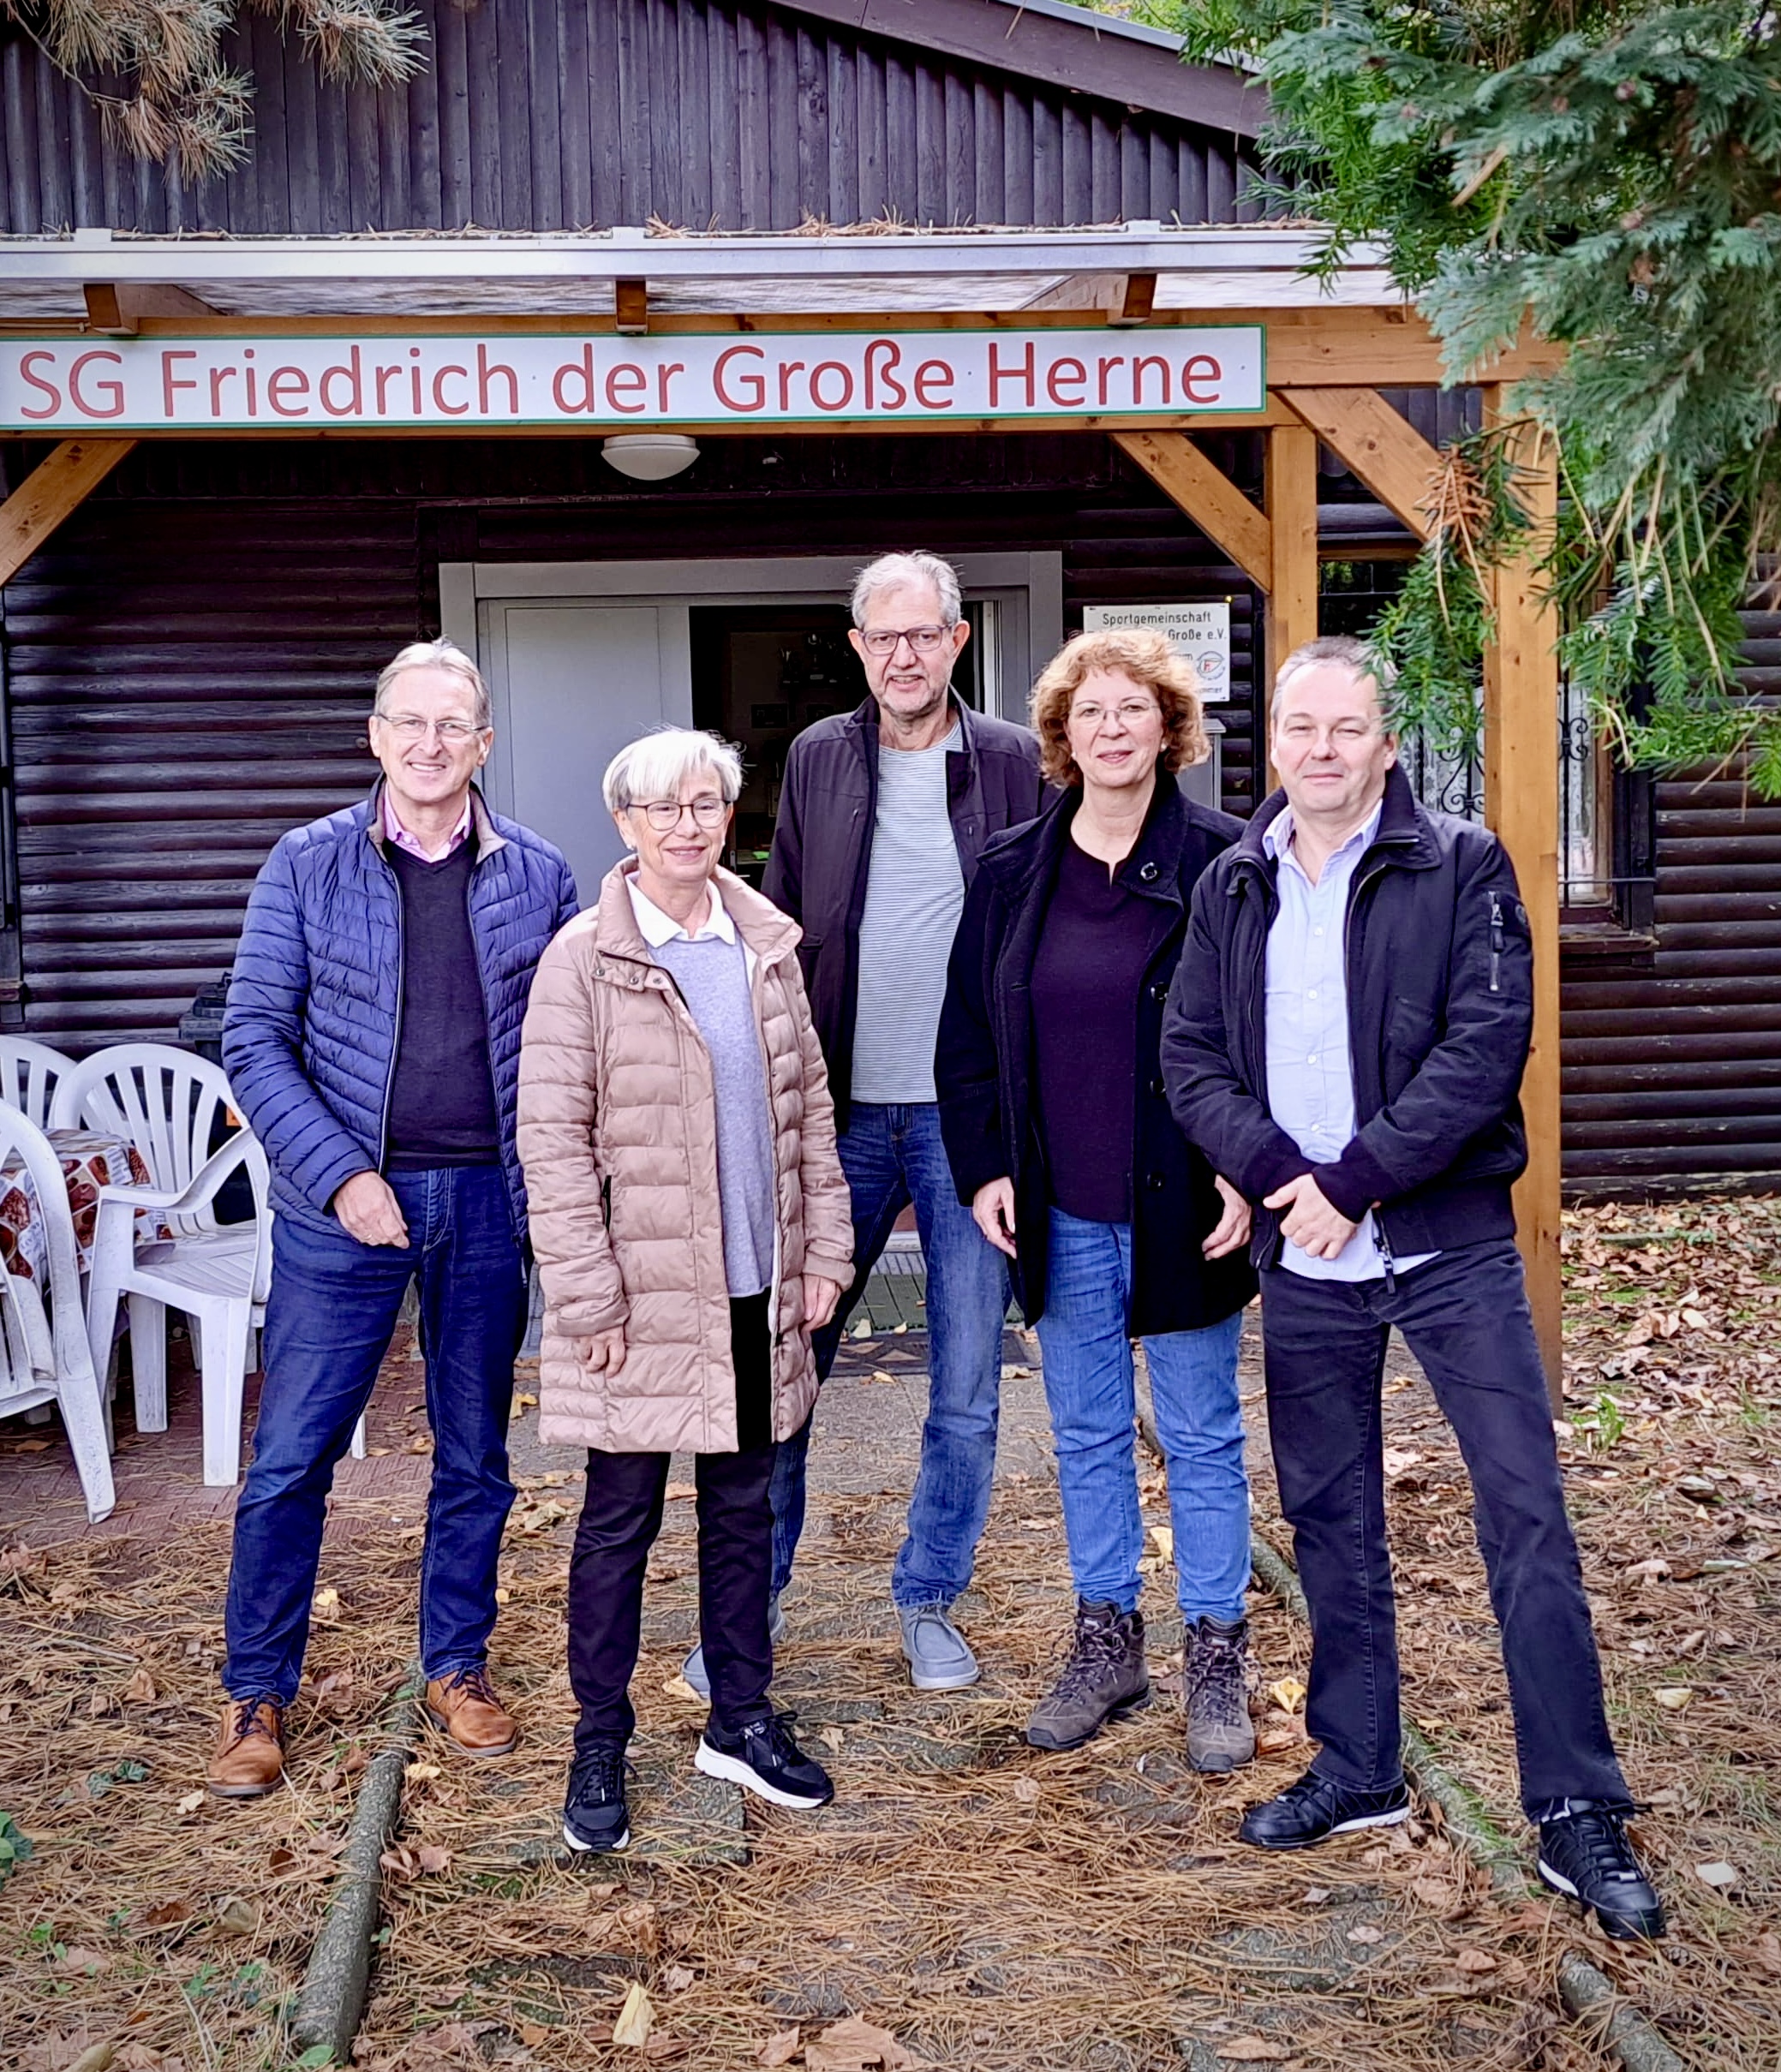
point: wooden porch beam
(631, 308)
(1292, 493)
(121, 307)
(1139, 301)
(58, 486)
(1521, 747)
(1210, 498)
(1378, 444)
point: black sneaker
(763, 1758)
(595, 1814)
(1585, 1855)
(1316, 1807)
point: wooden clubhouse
(610, 346)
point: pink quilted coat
(618, 1135)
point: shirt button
(1317, 931)
(1312, 994)
(1312, 1059)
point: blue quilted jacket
(314, 1005)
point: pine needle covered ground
(988, 1905)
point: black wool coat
(984, 1074)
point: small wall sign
(1200, 632)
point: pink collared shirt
(395, 832)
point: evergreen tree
(155, 69)
(1609, 171)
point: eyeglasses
(410, 727)
(924, 640)
(663, 814)
(1131, 712)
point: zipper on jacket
(1385, 1257)
(383, 1128)
(1496, 941)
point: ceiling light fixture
(650, 457)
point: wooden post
(1520, 746)
(1292, 496)
(59, 484)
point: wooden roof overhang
(1326, 346)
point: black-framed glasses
(663, 814)
(924, 640)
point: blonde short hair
(657, 764)
(435, 655)
(1145, 656)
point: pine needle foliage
(155, 68)
(1608, 171)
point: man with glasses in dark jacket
(371, 1038)
(1345, 1040)
(883, 815)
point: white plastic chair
(28, 1075)
(167, 1101)
(45, 1354)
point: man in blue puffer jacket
(373, 1040)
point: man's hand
(367, 1209)
(1310, 1222)
(1232, 1230)
(821, 1294)
(602, 1353)
(993, 1206)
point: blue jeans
(1089, 1385)
(892, 1156)
(332, 1310)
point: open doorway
(762, 673)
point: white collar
(1278, 835)
(658, 928)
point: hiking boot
(594, 1815)
(1105, 1678)
(1584, 1852)
(940, 1656)
(762, 1757)
(693, 1668)
(1316, 1807)
(250, 1758)
(463, 1706)
(1216, 1675)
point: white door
(572, 682)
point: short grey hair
(657, 764)
(1345, 652)
(435, 655)
(889, 571)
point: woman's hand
(1232, 1229)
(993, 1206)
(821, 1294)
(602, 1353)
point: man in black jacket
(1345, 1040)
(882, 816)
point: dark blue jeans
(332, 1310)
(893, 1155)
(1465, 1317)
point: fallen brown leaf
(854, 2046)
(434, 1859)
(631, 2030)
(781, 2050)
(140, 1690)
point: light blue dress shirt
(1311, 1086)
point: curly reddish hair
(1145, 656)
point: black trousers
(621, 1516)
(1466, 1318)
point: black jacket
(823, 847)
(983, 1068)
(1440, 986)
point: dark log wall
(1673, 1053)
(590, 113)
(188, 662)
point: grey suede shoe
(1105, 1678)
(693, 1668)
(940, 1657)
(1216, 1676)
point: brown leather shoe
(249, 1759)
(465, 1710)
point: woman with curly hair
(1060, 1138)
